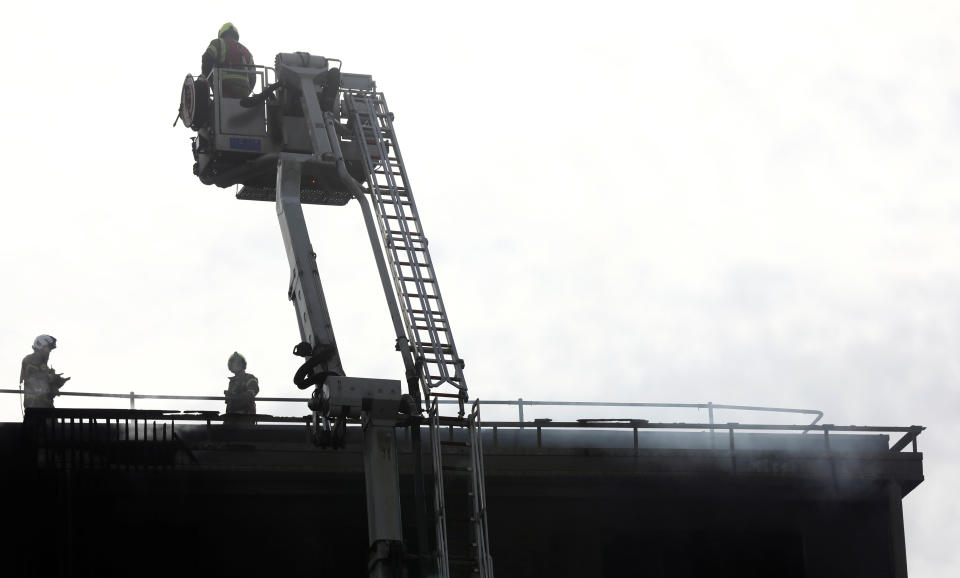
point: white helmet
(236, 363)
(44, 342)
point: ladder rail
(484, 560)
(439, 504)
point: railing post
(520, 410)
(132, 402)
(733, 455)
(710, 418)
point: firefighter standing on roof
(227, 52)
(243, 387)
(40, 382)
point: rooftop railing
(908, 438)
(520, 403)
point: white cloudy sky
(743, 202)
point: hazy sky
(739, 202)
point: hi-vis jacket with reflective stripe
(227, 53)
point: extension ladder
(415, 281)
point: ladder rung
(429, 345)
(437, 319)
(415, 244)
(388, 186)
(444, 349)
(430, 312)
(419, 296)
(413, 239)
(454, 443)
(450, 420)
(422, 280)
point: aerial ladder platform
(314, 135)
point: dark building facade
(139, 493)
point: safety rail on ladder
(475, 560)
(482, 537)
(404, 242)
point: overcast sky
(740, 202)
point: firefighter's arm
(57, 380)
(211, 57)
(252, 77)
(248, 391)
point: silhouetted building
(141, 493)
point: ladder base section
(460, 508)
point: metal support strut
(336, 397)
(305, 290)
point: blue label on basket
(245, 144)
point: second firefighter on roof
(41, 383)
(243, 387)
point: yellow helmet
(228, 27)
